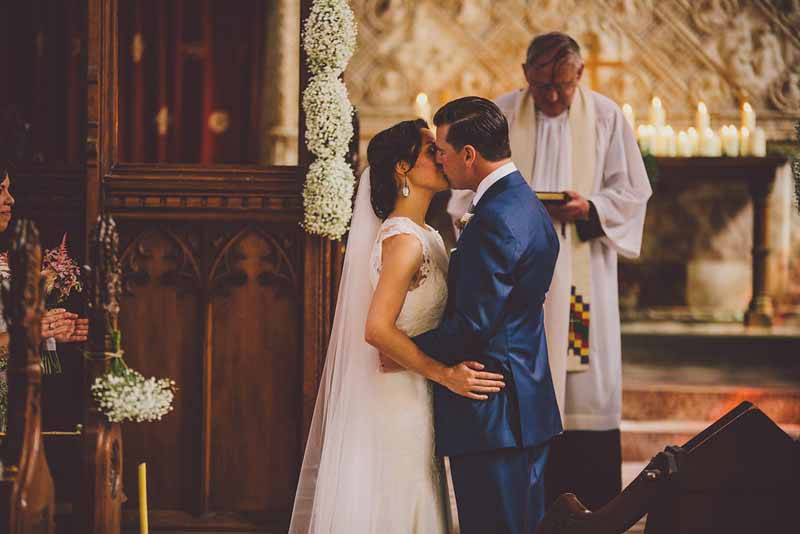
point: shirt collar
(492, 179)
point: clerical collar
(491, 179)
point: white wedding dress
(413, 502)
(369, 465)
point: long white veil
(341, 471)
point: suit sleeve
(487, 257)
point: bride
(369, 464)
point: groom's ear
(470, 154)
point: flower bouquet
(62, 277)
(123, 394)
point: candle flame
(701, 107)
(422, 99)
(747, 107)
(656, 102)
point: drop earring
(406, 191)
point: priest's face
(6, 202)
(553, 84)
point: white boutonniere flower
(464, 220)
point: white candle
(694, 141)
(707, 143)
(748, 117)
(716, 151)
(730, 142)
(422, 107)
(744, 142)
(758, 143)
(684, 145)
(670, 142)
(702, 119)
(658, 116)
(645, 139)
(627, 110)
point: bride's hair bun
(401, 142)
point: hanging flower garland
(329, 39)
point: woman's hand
(469, 380)
(58, 323)
(64, 326)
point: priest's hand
(576, 209)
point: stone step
(641, 440)
(677, 402)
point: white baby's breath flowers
(126, 395)
(326, 196)
(329, 39)
(329, 36)
(329, 117)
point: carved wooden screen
(225, 294)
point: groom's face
(451, 160)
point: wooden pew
(99, 505)
(27, 498)
(740, 475)
(86, 465)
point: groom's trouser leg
(500, 491)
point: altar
(700, 205)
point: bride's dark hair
(401, 142)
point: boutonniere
(464, 220)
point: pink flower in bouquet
(61, 272)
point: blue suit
(497, 281)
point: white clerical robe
(592, 399)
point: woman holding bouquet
(58, 323)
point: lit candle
(730, 142)
(748, 117)
(702, 119)
(143, 529)
(758, 143)
(658, 116)
(707, 143)
(670, 142)
(744, 142)
(627, 110)
(684, 145)
(422, 107)
(694, 141)
(645, 138)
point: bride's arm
(402, 257)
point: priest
(565, 138)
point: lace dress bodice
(426, 299)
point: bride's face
(426, 173)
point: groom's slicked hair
(478, 122)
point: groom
(498, 278)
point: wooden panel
(161, 323)
(255, 374)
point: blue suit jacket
(497, 281)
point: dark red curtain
(189, 80)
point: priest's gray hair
(556, 47)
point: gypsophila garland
(327, 194)
(329, 114)
(329, 36)
(329, 40)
